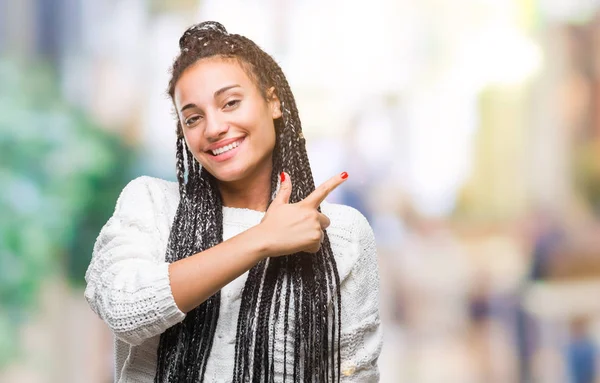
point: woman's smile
(225, 151)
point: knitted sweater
(128, 285)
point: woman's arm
(197, 278)
(361, 333)
(128, 282)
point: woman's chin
(230, 176)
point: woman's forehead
(209, 75)
(213, 70)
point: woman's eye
(232, 104)
(192, 120)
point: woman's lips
(228, 154)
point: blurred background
(470, 129)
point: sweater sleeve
(361, 333)
(127, 280)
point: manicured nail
(344, 175)
(282, 176)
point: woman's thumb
(285, 189)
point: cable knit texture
(128, 285)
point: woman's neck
(252, 193)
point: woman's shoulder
(349, 229)
(152, 186)
(146, 191)
(345, 218)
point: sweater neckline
(246, 217)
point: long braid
(180, 145)
(286, 322)
(291, 292)
(261, 352)
(296, 287)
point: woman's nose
(216, 128)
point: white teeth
(226, 148)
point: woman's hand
(291, 228)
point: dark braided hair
(298, 294)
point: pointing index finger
(315, 198)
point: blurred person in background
(581, 352)
(546, 237)
(230, 274)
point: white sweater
(128, 284)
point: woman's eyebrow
(225, 89)
(217, 94)
(188, 106)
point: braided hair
(298, 294)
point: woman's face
(227, 123)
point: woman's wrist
(260, 243)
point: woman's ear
(274, 103)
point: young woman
(240, 271)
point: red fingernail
(282, 176)
(344, 175)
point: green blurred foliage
(60, 176)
